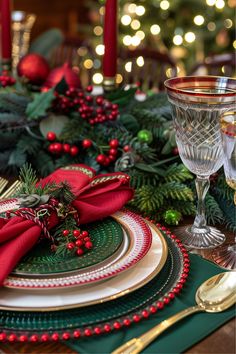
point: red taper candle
(110, 39)
(5, 11)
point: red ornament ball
(74, 150)
(86, 143)
(175, 151)
(114, 143)
(84, 234)
(79, 252)
(101, 158)
(76, 233)
(88, 245)
(51, 136)
(63, 72)
(66, 148)
(65, 233)
(34, 67)
(57, 148)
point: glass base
(206, 238)
(225, 256)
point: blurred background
(193, 33)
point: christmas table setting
(93, 251)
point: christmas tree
(190, 30)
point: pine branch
(68, 223)
(185, 207)
(148, 199)
(8, 140)
(28, 178)
(14, 103)
(214, 213)
(177, 190)
(43, 164)
(61, 192)
(75, 130)
(4, 158)
(140, 178)
(178, 173)
(9, 118)
(28, 145)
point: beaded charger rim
(116, 323)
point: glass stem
(202, 186)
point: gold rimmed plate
(115, 287)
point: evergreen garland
(160, 180)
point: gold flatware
(214, 295)
(11, 190)
(3, 183)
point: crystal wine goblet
(197, 103)
(225, 255)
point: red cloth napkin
(96, 197)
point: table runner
(179, 337)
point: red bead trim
(127, 321)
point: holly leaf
(150, 169)
(121, 96)
(40, 104)
(130, 123)
(53, 123)
(62, 86)
(17, 158)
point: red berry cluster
(6, 80)
(106, 159)
(92, 109)
(58, 148)
(81, 241)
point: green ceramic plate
(107, 237)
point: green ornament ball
(145, 136)
(172, 217)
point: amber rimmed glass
(197, 104)
(225, 255)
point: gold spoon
(214, 295)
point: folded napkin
(96, 197)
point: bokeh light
(220, 4)
(164, 5)
(88, 64)
(211, 26)
(178, 40)
(128, 66)
(140, 10)
(127, 40)
(126, 20)
(140, 61)
(189, 37)
(97, 78)
(155, 29)
(210, 2)
(135, 24)
(100, 49)
(199, 20)
(140, 35)
(98, 30)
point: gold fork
(3, 183)
(11, 190)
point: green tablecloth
(179, 337)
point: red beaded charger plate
(103, 318)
